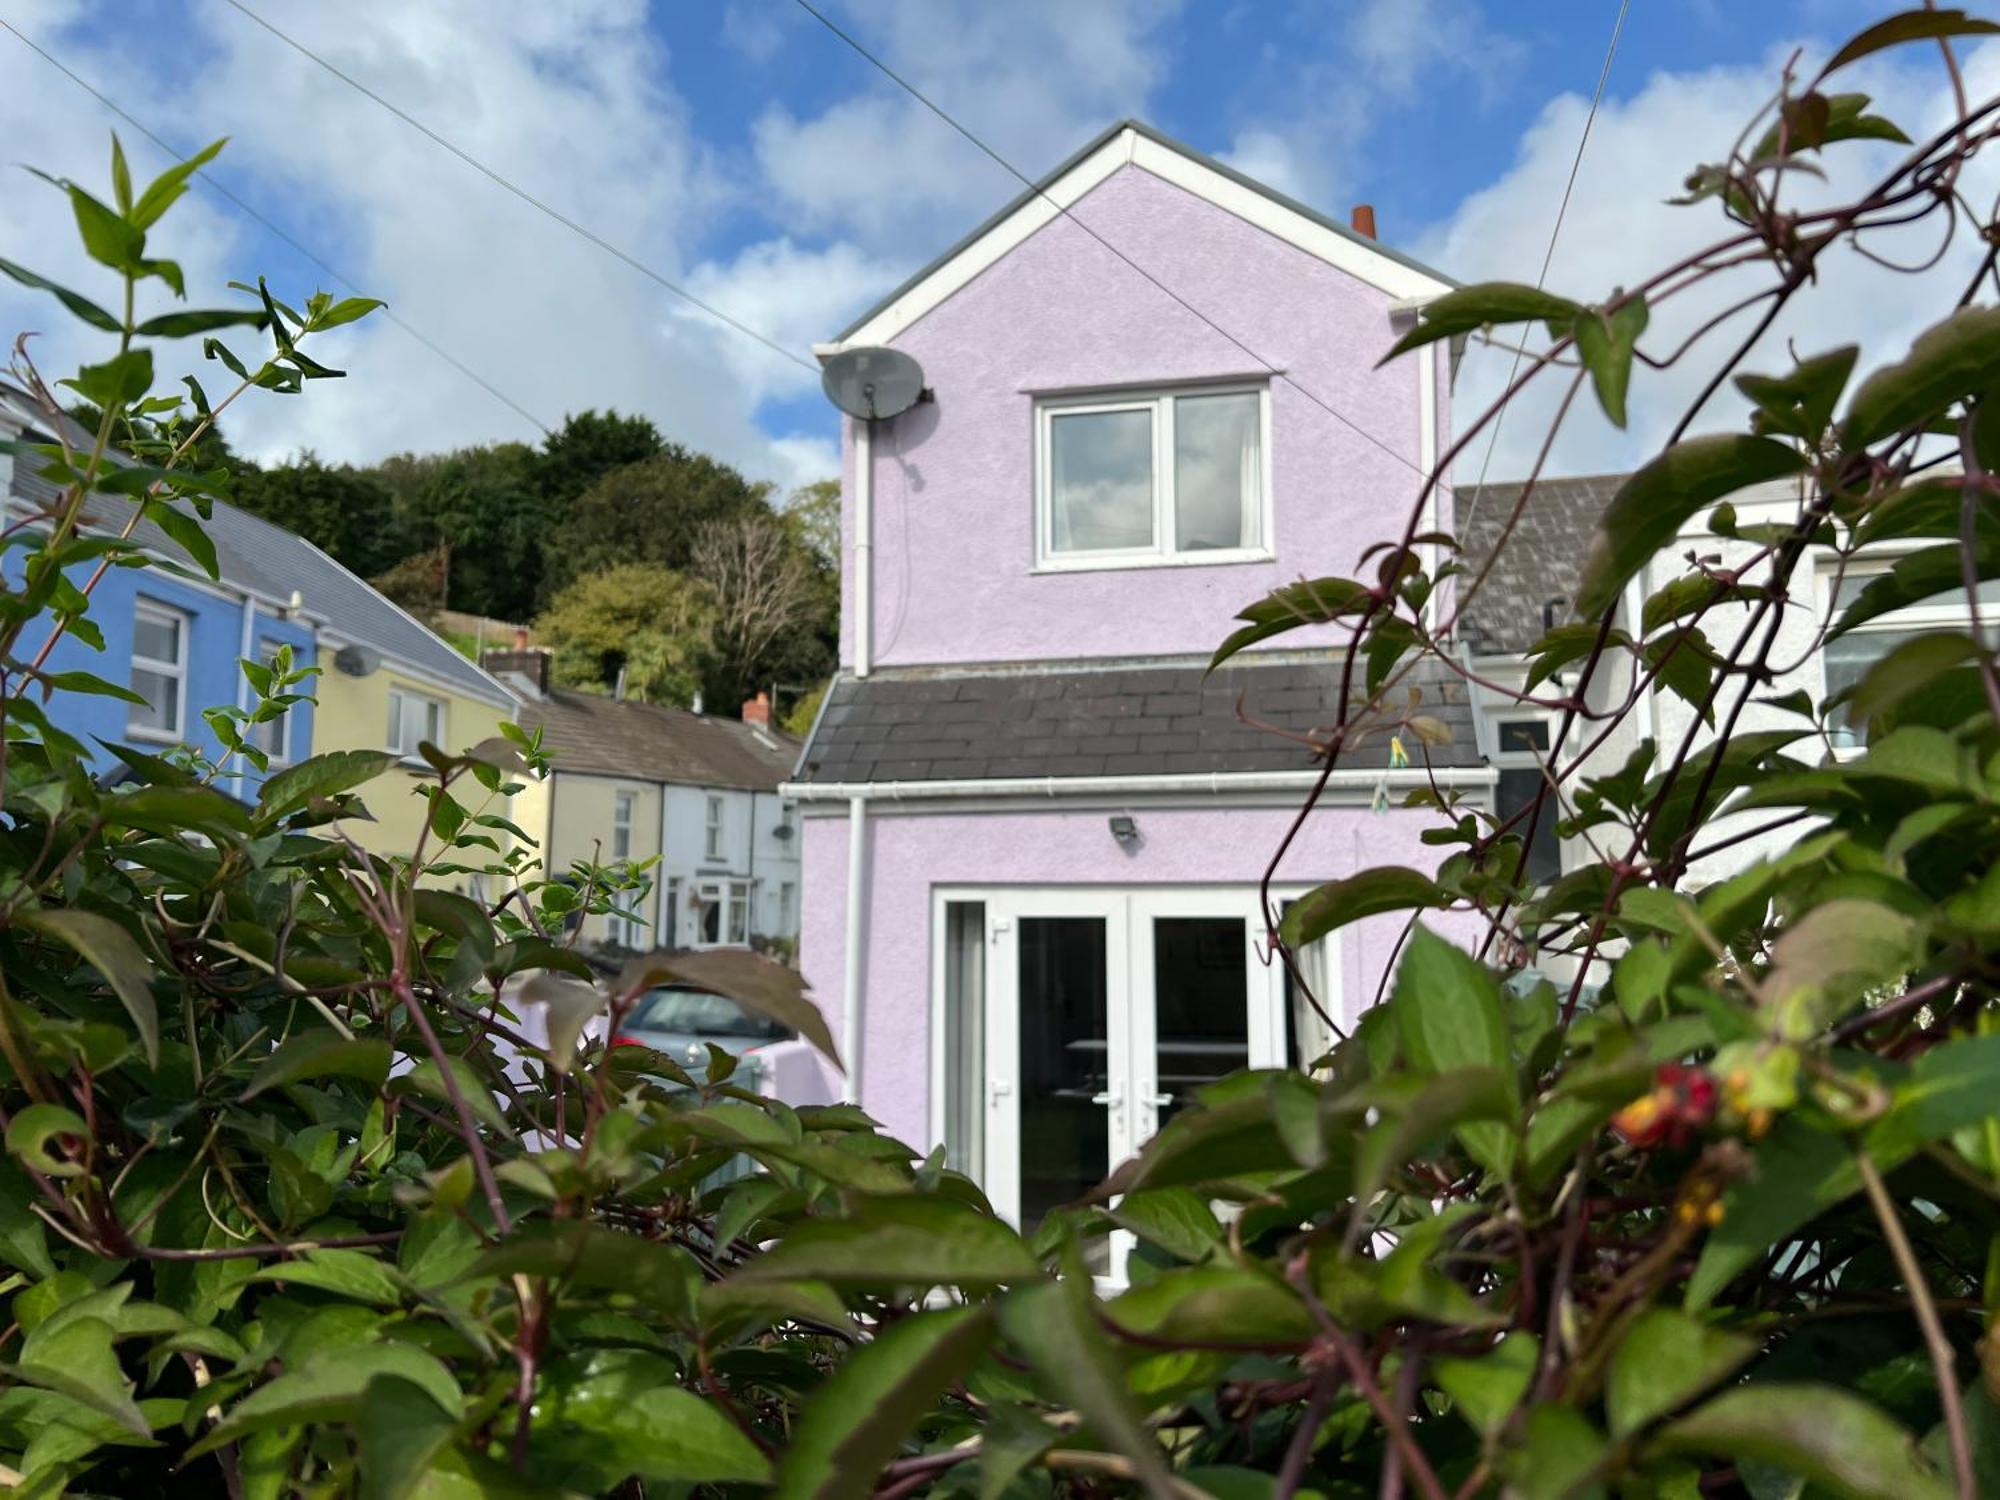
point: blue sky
(745, 151)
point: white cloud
(1034, 80)
(568, 101)
(1619, 228)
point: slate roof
(1096, 719)
(1541, 562)
(255, 555)
(590, 732)
(1159, 137)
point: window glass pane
(1218, 471)
(1847, 661)
(739, 914)
(1065, 1140)
(963, 1107)
(1853, 582)
(1201, 999)
(162, 695)
(156, 637)
(1524, 736)
(1517, 789)
(1101, 481)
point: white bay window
(159, 671)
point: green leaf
(109, 949)
(1474, 307)
(1448, 1013)
(1919, 578)
(118, 382)
(1829, 1435)
(1605, 344)
(1013, 1438)
(1214, 1307)
(1176, 1219)
(32, 1130)
(347, 310)
(1948, 1088)
(1797, 1173)
(81, 307)
(108, 238)
(1948, 362)
(1056, 1328)
(76, 1359)
(858, 1420)
(1665, 1360)
(1315, 601)
(322, 776)
(188, 532)
(1556, 1456)
(1450, 1102)
(899, 1241)
(425, 1078)
(401, 1429)
(1910, 26)
(1906, 671)
(1652, 504)
(1823, 963)
(170, 184)
(1800, 404)
(570, 1005)
(1367, 894)
(173, 811)
(1487, 1389)
(180, 325)
(347, 1273)
(329, 1386)
(618, 1412)
(581, 1254)
(322, 1054)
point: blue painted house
(178, 638)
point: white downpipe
(1125, 786)
(857, 937)
(864, 546)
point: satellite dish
(356, 661)
(870, 383)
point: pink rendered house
(1033, 828)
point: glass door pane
(1201, 1007)
(1063, 988)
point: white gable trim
(1374, 268)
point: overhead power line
(216, 187)
(1549, 255)
(530, 199)
(1035, 187)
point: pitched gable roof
(259, 557)
(1538, 571)
(599, 735)
(1134, 143)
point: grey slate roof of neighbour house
(1089, 149)
(1098, 719)
(589, 732)
(255, 555)
(1541, 563)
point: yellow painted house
(389, 682)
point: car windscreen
(671, 1008)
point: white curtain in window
(1218, 470)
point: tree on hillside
(345, 512)
(486, 509)
(647, 512)
(813, 514)
(590, 445)
(771, 605)
(655, 624)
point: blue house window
(273, 737)
(159, 672)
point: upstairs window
(159, 671)
(1847, 660)
(622, 804)
(1140, 480)
(712, 842)
(413, 718)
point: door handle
(1110, 1098)
(1159, 1101)
(997, 1089)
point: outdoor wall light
(1125, 829)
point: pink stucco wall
(912, 852)
(954, 487)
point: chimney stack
(758, 711)
(526, 667)
(1363, 219)
(520, 638)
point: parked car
(681, 1022)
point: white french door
(1104, 1011)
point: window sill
(1105, 563)
(153, 736)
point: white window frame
(624, 805)
(399, 696)
(1159, 401)
(728, 896)
(714, 824)
(182, 625)
(280, 752)
(1921, 619)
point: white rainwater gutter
(1213, 783)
